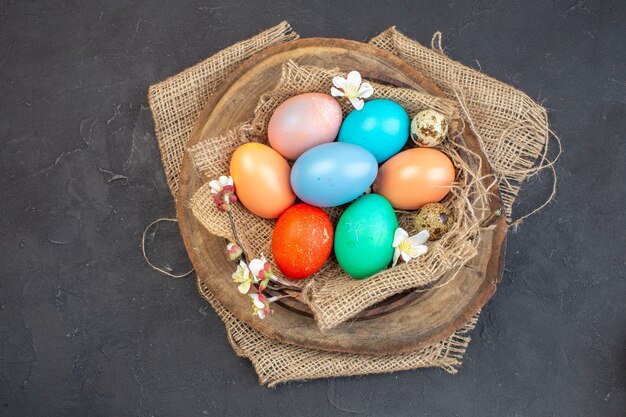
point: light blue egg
(332, 174)
(381, 127)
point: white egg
(429, 128)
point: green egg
(364, 236)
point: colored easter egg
(381, 127)
(302, 240)
(415, 177)
(429, 128)
(332, 174)
(261, 177)
(302, 122)
(364, 236)
(434, 217)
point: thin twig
(234, 230)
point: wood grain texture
(417, 319)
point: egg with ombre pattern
(302, 122)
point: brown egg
(415, 177)
(434, 217)
(261, 179)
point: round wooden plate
(396, 327)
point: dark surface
(86, 328)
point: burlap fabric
(175, 104)
(333, 295)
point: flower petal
(215, 186)
(405, 256)
(256, 300)
(354, 79)
(230, 181)
(256, 266)
(261, 314)
(396, 255)
(366, 90)
(399, 236)
(244, 287)
(420, 238)
(340, 82)
(418, 250)
(223, 180)
(357, 102)
(336, 93)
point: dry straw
(513, 132)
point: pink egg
(302, 122)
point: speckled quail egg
(434, 217)
(429, 128)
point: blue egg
(381, 127)
(332, 174)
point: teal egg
(381, 127)
(364, 236)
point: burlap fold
(176, 102)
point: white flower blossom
(352, 88)
(243, 277)
(219, 184)
(408, 247)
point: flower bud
(233, 251)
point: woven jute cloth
(512, 130)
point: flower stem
(277, 297)
(234, 230)
(284, 283)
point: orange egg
(302, 241)
(261, 179)
(415, 177)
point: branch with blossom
(223, 190)
(253, 277)
(261, 304)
